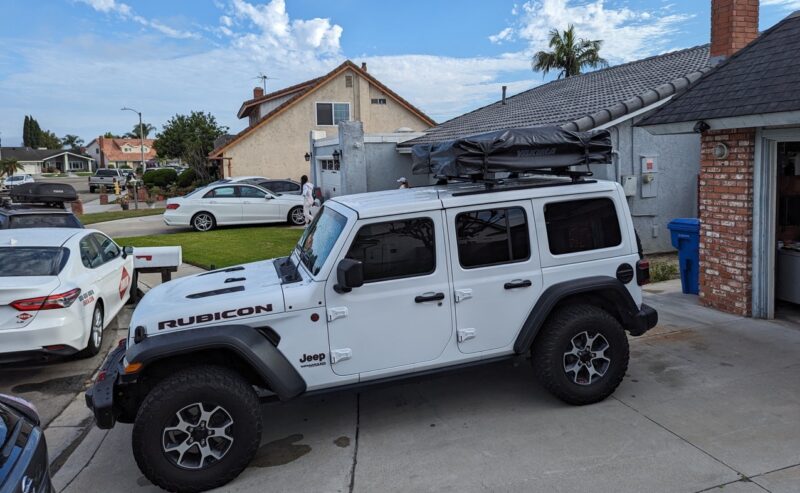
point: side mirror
(349, 275)
(128, 250)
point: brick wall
(726, 215)
(734, 23)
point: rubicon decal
(209, 317)
(124, 282)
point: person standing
(308, 198)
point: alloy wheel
(97, 327)
(298, 218)
(198, 435)
(586, 361)
(203, 222)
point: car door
(402, 314)
(114, 274)
(258, 205)
(224, 203)
(497, 276)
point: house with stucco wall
(276, 140)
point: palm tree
(72, 142)
(569, 54)
(9, 166)
(146, 129)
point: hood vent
(235, 279)
(215, 292)
(229, 269)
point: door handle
(429, 297)
(517, 283)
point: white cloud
(503, 35)
(627, 34)
(784, 4)
(126, 12)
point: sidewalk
(710, 403)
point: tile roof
(585, 100)
(314, 84)
(761, 78)
(28, 154)
(112, 149)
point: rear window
(581, 225)
(106, 172)
(32, 261)
(43, 221)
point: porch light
(308, 157)
(336, 155)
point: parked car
(16, 180)
(24, 463)
(107, 177)
(59, 289)
(226, 204)
(386, 285)
(25, 216)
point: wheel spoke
(586, 361)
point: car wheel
(95, 333)
(581, 355)
(203, 221)
(296, 216)
(197, 429)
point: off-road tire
(211, 384)
(556, 338)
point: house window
(328, 165)
(378, 100)
(348, 81)
(581, 225)
(332, 113)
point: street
(710, 401)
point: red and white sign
(24, 316)
(124, 282)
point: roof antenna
(264, 78)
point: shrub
(125, 166)
(160, 177)
(663, 271)
(187, 177)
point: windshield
(15, 178)
(318, 239)
(32, 261)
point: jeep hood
(231, 295)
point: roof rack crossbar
(520, 187)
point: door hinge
(338, 355)
(463, 294)
(336, 312)
(465, 334)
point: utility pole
(141, 148)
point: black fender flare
(610, 287)
(246, 342)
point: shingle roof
(28, 154)
(248, 105)
(604, 94)
(761, 78)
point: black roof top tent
(550, 150)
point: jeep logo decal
(309, 360)
(208, 317)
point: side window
(395, 249)
(108, 249)
(292, 187)
(492, 236)
(581, 225)
(221, 192)
(251, 193)
(90, 255)
(273, 186)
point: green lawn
(225, 247)
(99, 217)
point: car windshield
(15, 178)
(31, 261)
(43, 221)
(318, 239)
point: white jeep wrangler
(380, 285)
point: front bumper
(646, 319)
(100, 396)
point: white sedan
(59, 289)
(222, 204)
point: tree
(190, 138)
(72, 142)
(9, 166)
(31, 133)
(110, 135)
(49, 140)
(569, 54)
(146, 129)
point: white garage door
(330, 178)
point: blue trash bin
(685, 233)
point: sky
(72, 64)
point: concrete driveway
(711, 403)
(137, 226)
